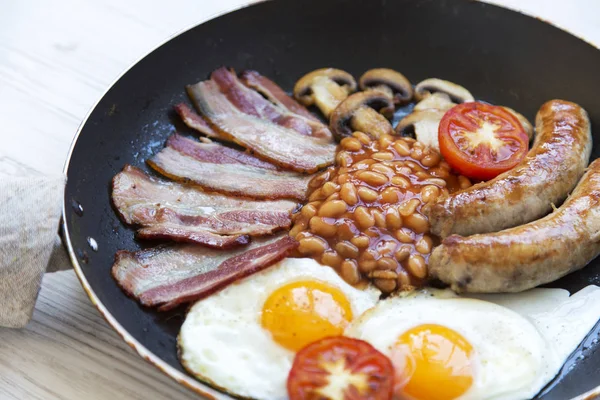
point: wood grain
(69, 352)
(58, 57)
(56, 60)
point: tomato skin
(359, 358)
(481, 141)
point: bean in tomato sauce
(364, 216)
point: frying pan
(501, 56)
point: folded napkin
(30, 209)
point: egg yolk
(303, 312)
(432, 362)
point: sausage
(529, 255)
(545, 177)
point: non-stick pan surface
(499, 55)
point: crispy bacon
(167, 276)
(215, 153)
(274, 93)
(225, 170)
(252, 103)
(188, 234)
(248, 119)
(195, 121)
(167, 210)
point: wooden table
(56, 60)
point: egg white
(563, 321)
(222, 341)
(521, 340)
(508, 350)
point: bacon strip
(215, 153)
(195, 121)
(165, 277)
(274, 93)
(178, 233)
(225, 170)
(252, 103)
(167, 210)
(250, 123)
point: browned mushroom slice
(324, 88)
(423, 122)
(423, 126)
(363, 112)
(392, 83)
(436, 101)
(457, 93)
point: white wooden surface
(56, 58)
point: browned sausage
(520, 258)
(545, 177)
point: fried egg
(244, 338)
(492, 347)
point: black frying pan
(499, 55)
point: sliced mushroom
(457, 93)
(423, 126)
(363, 111)
(524, 122)
(438, 101)
(392, 83)
(325, 88)
(423, 122)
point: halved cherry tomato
(481, 141)
(340, 368)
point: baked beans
(364, 215)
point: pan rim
(183, 379)
(545, 21)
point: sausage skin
(529, 255)
(545, 177)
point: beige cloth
(59, 258)
(30, 211)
